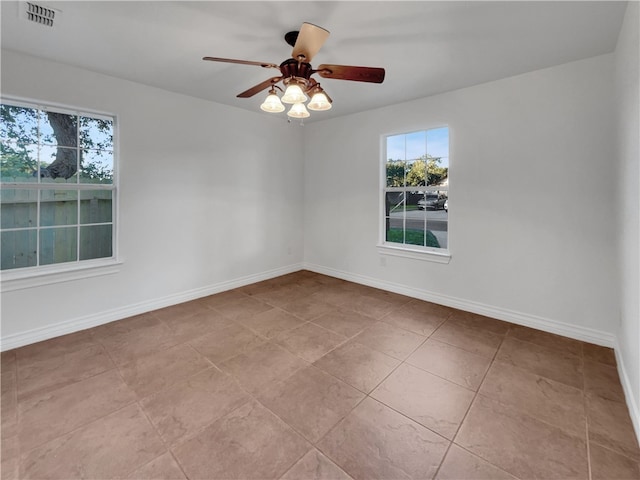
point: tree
(22, 127)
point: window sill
(416, 254)
(28, 278)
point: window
(415, 191)
(58, 197)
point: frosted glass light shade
(294, 94)
(272, 104)
(319, 102)
(298, 110)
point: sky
(409, 146)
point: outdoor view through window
(57, 175)
(416, 189)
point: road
(437, 220)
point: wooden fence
(74, 225)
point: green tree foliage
(21, 131)
(423, 171)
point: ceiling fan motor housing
(293, 68)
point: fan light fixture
(272, 103)
(296, 96)
(298, 110)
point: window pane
(18, 249)
(19, 208)
(438, 156)
(18, 163)
(95, 242)
(96, 167)
(59, 129)
(96, 133)
(416, 145)
(96, 206)
(58, 245)
(58, 207)
(18, 125)
(396, 173)
(58, 164)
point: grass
(412, 237)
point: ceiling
(426, 47)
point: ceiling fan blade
(310, 40)
(347, 72)
(241, 62)
(258, 88)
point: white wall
(627, 77)
(207, 196)
(532, 200)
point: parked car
(432, 201)
(446, 205)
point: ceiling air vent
(38, 14)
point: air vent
(38, 14)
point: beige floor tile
(63, 345)
(261, 366)
(357, 365)
(596, 353)
(429, 400)
(48, 373)
(157, 371)
(480, 322)
(374, 442)
(242, 308)
(344, 321)
(462, 465)
(221, 298)
(422, 324)
(311, 401)
(183, 409)
(307, 308)
(226, 343)
(162, 468)
(197, 324)
(126, 340)
(610, 426)
(249, 443)
(180, 311)
(315, 466)
(516, 443)
(334, 295)
(271, 322)
(66, 408)
(7, 361)
(393, 341)
(540, 397)
(470, 339)
(8, 404)
(371, 305)
(10, 469)
(110, 447)
(452, 363)
(603, 380)
(551, 363)
(309, 341)
(608, 465)
(545, 339)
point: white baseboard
(577, 332)
(39, 334)
(632, 401)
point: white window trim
(29, 277)
(414, 252)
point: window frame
(415, 252)
(27, 277)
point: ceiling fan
(295, 74)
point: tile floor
(310, 377)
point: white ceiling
(426, 47)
